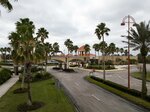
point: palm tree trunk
(144, 88)
(104, 65)
(23, 77)
(46, 63)
(16, 69)
(28, 66)
(103, 53)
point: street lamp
(129, 20)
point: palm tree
(47, 47)
(87, 48)
(75, 47)
(6, 4)
(42, 34)
(68, 43)
(102, 46)
(126, 52)
(55, 47)
(112, 48)
(100, 31)
(25, 28)
(121, 50)
(117, 50)
(140, 40)
(97, 48)
(14, 43)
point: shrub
(40, 76)
(57, 68)
(36, 69)
(68, 70)
(74, 65)
(5, 74)
(100, 67)
(120, 87)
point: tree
(126, 52)
(140, 40)
(68, 43)
(75, 47)
(47, 48)
(100, 31)
(103, 46)
(121, 50)
(87, 48)
(14, 43)
(97, 49)
(117, 50)
(55, 47)
(25, 28)
(42, 34)
(112, 47)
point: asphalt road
(91, 98)
(121, 77)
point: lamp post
(129, 20)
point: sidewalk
(7, 85)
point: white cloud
(74, 19)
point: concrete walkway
(7, 85)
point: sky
(74, 19)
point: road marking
(95, 97)
(76, 84)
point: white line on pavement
(95, 97)
(76, 84)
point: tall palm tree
(117, 50)
(42, 34)
(9, 51)
(75, 47)
(112, 48)
(87, 48)
(140, 40)
(100, 31)
(14, 43)
(121, 50)
(68, 43)
(126, 52)
(25, 28)
(47, 47)
(97, 49)
(55, 47)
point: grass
(45, 91)
(138, 75)
(135, 100)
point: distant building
(81, 52)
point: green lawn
(54, 99)
(139, 74)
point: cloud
(74, 19)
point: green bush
(68, 70)
(133, 61)
(41, 76)
(37, 76)
(5, 74)
(74, 65)
(100, 67)
(36, 69)
(120, 87)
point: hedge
(120, 87)
(5, 74)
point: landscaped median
(138, 75)
(44, 91)
(129, 95)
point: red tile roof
(81, 48)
